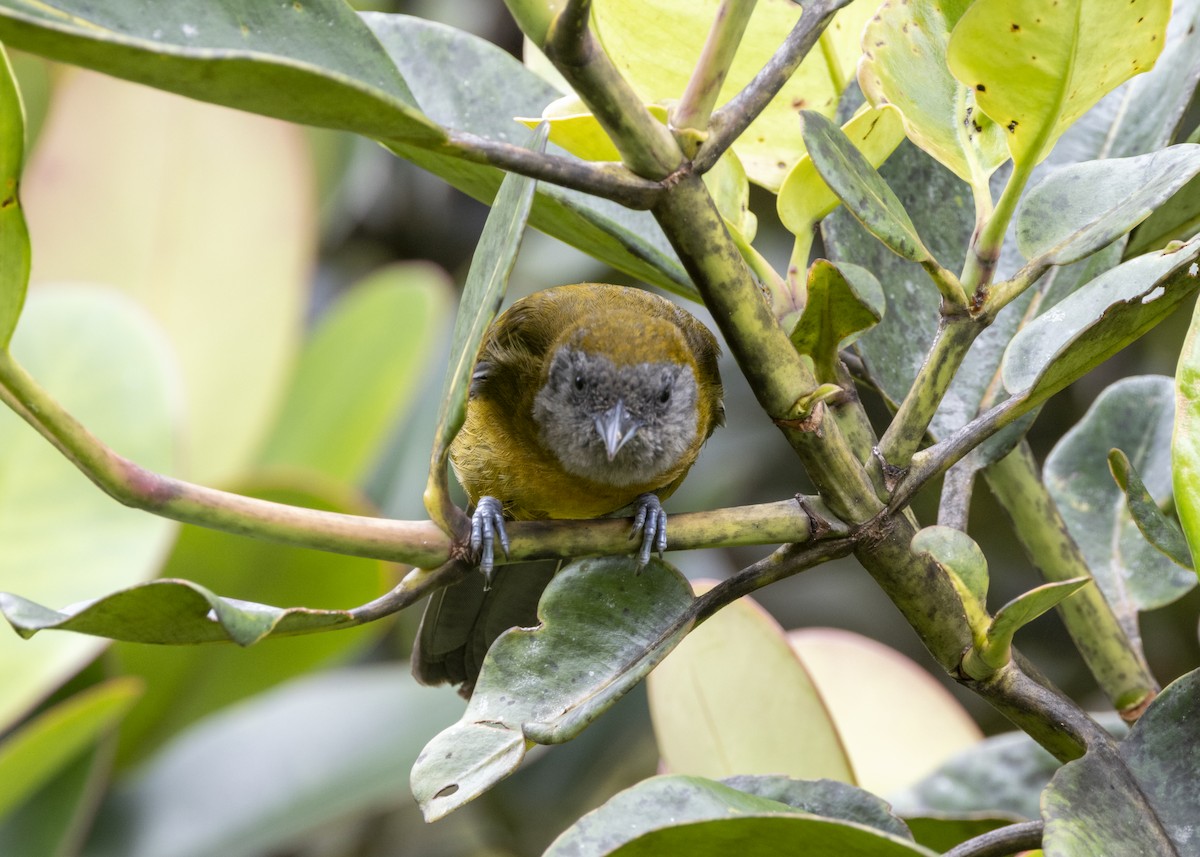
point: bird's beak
(616, 427)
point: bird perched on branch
(586, 400)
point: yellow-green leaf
(904, 64)
(1036, 67)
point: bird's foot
(651, 521)
(487, 527)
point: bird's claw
(487, 526)
(651, 521)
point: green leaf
(1159, 530)
(14, 236)
(827, 798)
(483, 291)
(1140, 799)
(905, 65)
(1035, 69)
(205, 217)
(1000, 776)
(1084, 207)
(962, 559)
(603, 627)
(64, 540)
(1177, 219)
(860, 188)
(170, 612)
(733, 698)
(360, 369)
(1135, 414)
(54, 819)
(1092, 324)
(39, 749)
(840, 304)
(184, 684)
(275, 769)
(484, 102)
(997, 649)
(804, 198)
(671, 805)
(311, 62)
(1185, 442)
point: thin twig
(735, 117)
(1000, 843)
(610, 181)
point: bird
(586, 401)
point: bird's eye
(665, 395)
(579, 383)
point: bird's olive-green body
(505, 451)
(584, 399)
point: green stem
(775, 285)
(611, 181)
(907, 429)
(419, 543)
(413, 542)
(1117, 664)
(689, 119)
(1026, 836)
(981, 261)
(645, 144)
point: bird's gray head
(618, 424)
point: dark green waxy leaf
(362, 366)
(1083, 207)
(841, 303)
(1159, 530)
(827, 798)
(603, 627)
(170, 612)
(860, 188)
(905, 65)
(36, 751)
(14, 236)
(483, 102)
(184, 684)
(312, 62)
(1000, 776)
(1140, 799)
(494, 257)
(276, 768)
(691, 815)
(1177, 219)
(1095, 322)
(1137, 415)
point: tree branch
(610, 181)
(1002, 842)
(645, 144)
(729, 122)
